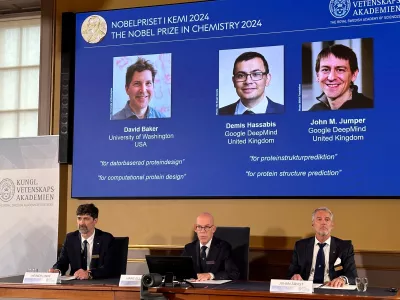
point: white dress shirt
(260, 108)
(89, 248)
(208, 245)
(326, 253)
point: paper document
(65, 277)
(212, 281)
(345, 287)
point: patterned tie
(249, 112)
(203, 257)
(320, 265)
(84, 255)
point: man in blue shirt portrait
(139, 86)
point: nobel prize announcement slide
(219, 99)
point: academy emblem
(339, 8)
(7, 190)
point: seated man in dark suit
(250, 78)
(88, 251)
(323, 258)
(211, 255)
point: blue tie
(320, 265)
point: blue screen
(268, 99)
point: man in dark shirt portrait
(337, 69)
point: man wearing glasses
(211, 255)
(250, 78)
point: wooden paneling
(44, 293)
(100, 292)
(122, 295)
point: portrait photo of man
(149, 95)
(343, 76)
(255, 86)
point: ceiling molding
(18, 6)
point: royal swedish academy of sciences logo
(7, 190)
(339, 8)
(94, 29)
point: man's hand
(53, 270)
(81, 274)
(337, 282)
(296, 277)
(203, 276)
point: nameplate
(130, 280)
(291, 286)
(40, 278)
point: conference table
(109, 289)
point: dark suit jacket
(219, 260)
(303, 255)
(101, 267)
(273, 108)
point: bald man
(211, 255)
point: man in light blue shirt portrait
(139, 86)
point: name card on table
(291, 286)
(40, 278)
(130, 280)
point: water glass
(361, 284)
(59, 277)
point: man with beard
(323, 259)
(88, 251)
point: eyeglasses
(255, 76)
(206, 228)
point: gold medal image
(94, 29)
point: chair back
(239, 238)
(121, 254)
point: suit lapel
(233, 107)
(197, 246)
(270, 107)
(78, 249)
(309, 257)
(212, 254)
(333, 254)
(96, 250)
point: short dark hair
(139, 66)
(339, 51)
(88, 209)
(250, 55)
